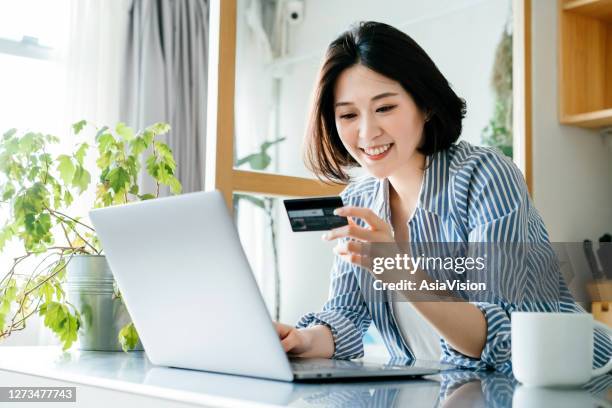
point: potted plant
(39, 189)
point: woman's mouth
(377, 152)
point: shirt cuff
(348, 340)
(496, 352)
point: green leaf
(59, 270)
(138, 145)
(30, 142)
(260, 161)
(6, 234)
(81, 179)
(67, 198)
(9, 191)
(33, 173)
(159, 128)
(104, 161)
(77, 127)
(9, 296)
(163, 151)
(65, 168)
(105, 141)
(101, 131)
(257, 161)
(118, 179)
(265, 145)
(9, 133)
(124, 131)
(46, 290)
(152, 166)
(132, 166)
(148, 137)
(146, 197)
(64, 324)
(80, 153)
(128, 337)
(175, 185)
(44, 223)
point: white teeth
(373, 151)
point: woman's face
(377, 120)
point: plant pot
(89, 287)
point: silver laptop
(189, 289)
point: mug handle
(602, 370)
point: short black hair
(395, 55)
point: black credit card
(314, 214)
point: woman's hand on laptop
(316, 341)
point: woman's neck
(406, 183)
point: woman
(382, 104)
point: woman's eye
(347, 116)
(386, 108)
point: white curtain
(95, 59)
(92, 60)
(165, 80)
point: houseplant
(39, 188)
(498, 132)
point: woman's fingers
(366, 214)
(346, 247)
(290, 341)
(288, 336)
(357, 259)
(282, 329)
(351, 230)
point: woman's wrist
(317, 341)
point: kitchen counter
(131, 374)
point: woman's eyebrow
(374, 98)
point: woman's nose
(368, 128)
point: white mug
(554, 349)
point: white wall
(572, 166)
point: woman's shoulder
(465, 154)
(479, 167)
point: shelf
(596, 119)
(599, 9)
(585, 63)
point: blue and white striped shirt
(469, 194)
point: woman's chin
(379, 172)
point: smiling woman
(357, 99)
(381, 104)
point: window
(32, 77)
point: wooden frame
(522, 98)
(220, 172)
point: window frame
(220, 172)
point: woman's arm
(336, 331)
(315, 341)
(461, 324)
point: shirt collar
(433, 186)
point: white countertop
(133, 373)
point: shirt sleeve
(498, 210)
(345, 313)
